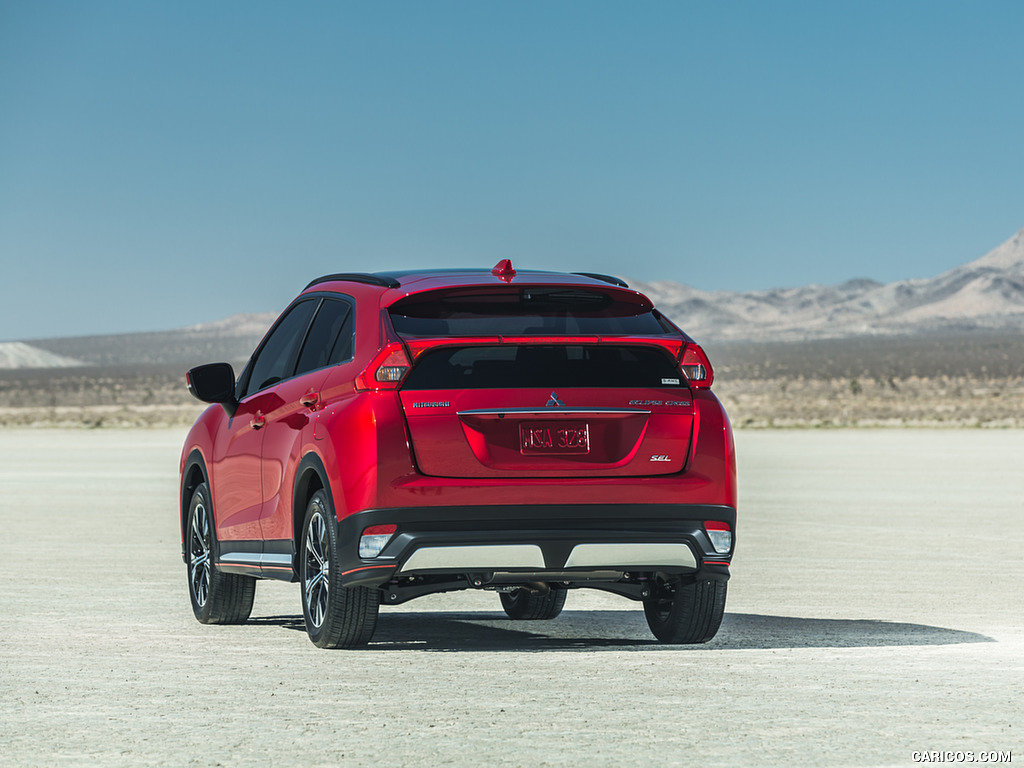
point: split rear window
(512, 366)
(528, 311)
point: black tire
(336, 616)
(524, 605)
(686, 613)
(217, 598)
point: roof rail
(604, 278)
(384, 281)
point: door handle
(258, 420)
(311, 400)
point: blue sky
(163, 164)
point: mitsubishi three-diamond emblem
(554, 402)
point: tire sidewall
(692, 615)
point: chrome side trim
(276, 559)
(630, 555)
(551, 411)
(255, 558)
(489, 557)
(241, 557)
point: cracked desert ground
(876, 610)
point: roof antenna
(504, 270)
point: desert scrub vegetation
(122, 396)
(911, 402)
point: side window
(276, 358)
(345, 345)
(326, 338)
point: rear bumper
(509, 543)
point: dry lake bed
(876, 611)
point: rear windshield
(544, 311)
(511, 366)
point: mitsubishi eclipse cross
(400, 434)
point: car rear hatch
(542, 397)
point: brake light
(374, 539)
(386, 370)
(720, 535)
(696, 367)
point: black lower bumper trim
(527, 539)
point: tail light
(386, 370)
(696, 367)
(374, 539)
(720, 535)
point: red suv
(400, 434)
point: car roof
(452, 278)
(503, 273)
(393, 286)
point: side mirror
(214, 383)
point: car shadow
(486, 631)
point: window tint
(276, 358)
(536, 311)
(345, 345)
(543, 365)
(330, 337)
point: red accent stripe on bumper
(367, 568)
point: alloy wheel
(317, 569)
(199, 554)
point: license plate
(554, 437)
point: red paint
(379, 451)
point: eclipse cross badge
(554, 402)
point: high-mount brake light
(720, 535)
(696, 367)
(386, 370)
(374, 539)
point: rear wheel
(336, 616)
(524, 604)
(686, 613)
(217, 598)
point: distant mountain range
(232, 339)
(985, 294)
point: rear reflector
(696, 367)
(720, 535)
(374, 539)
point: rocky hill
(15, 355)
(987, 293)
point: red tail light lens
(696, 367)
(386, 370)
